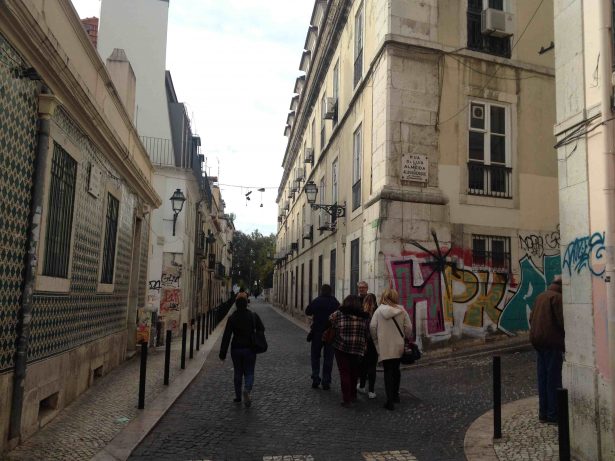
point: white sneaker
(361, 390)
(371, 395)
(247, 400)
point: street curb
(124, 443)
(478, 441)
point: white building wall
(140, 28)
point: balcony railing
(160, 150)
(489, 180)
(220, 270)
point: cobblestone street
(290, 421)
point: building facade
(585, 141)
(430, 124)
(76, 199)
(178, 273)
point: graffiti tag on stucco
(540, 244)
(585, 252)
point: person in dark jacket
(547, 337)
(370, 360)
(320, 309)
(240, 326)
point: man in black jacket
(320, 309)
(240, 326)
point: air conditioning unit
(330, 108)
(299, 174)
(496, 23)
(309, 155)
(307, 232)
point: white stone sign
(414, 167)
(95, 180)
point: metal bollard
(167, 356)
(142, 376)
(497, 398)
(207, 323)
(192, 338)
(203, 328)
(183, 357)
(198, 331)
(562, 424)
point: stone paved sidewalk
(523, 436)
(89, 423)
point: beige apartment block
(431, 124)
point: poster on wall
(144, 325)
(414, 167)
(170, 290)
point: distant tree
(252, 260)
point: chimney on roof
(124, 79)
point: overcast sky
(234, 64)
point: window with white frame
(323, 132)
(358, 46)
(489, 156)
(357, 152)
(334, 188)
(336, 89)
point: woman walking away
(351, 324)
(368, 367)
(240, 326)
(321, 308)
(387, 325)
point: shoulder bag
(412, 353)
(259, 342)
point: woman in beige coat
(389, 341)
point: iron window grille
(492, 252)
(60, 220)
(113, 206)
(499, 46)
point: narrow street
(288, 418)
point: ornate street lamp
(335, 210)
(177, 202)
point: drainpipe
(46, 106)
(608, 167)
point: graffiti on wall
(170, 291)
(585, 253)
(456, 298)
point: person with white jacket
(389, 341)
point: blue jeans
(549, 363)
(327, 365)
(244, 360)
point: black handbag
(259, 342)
(412, 353)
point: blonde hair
(389, 296)
(370, 303)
